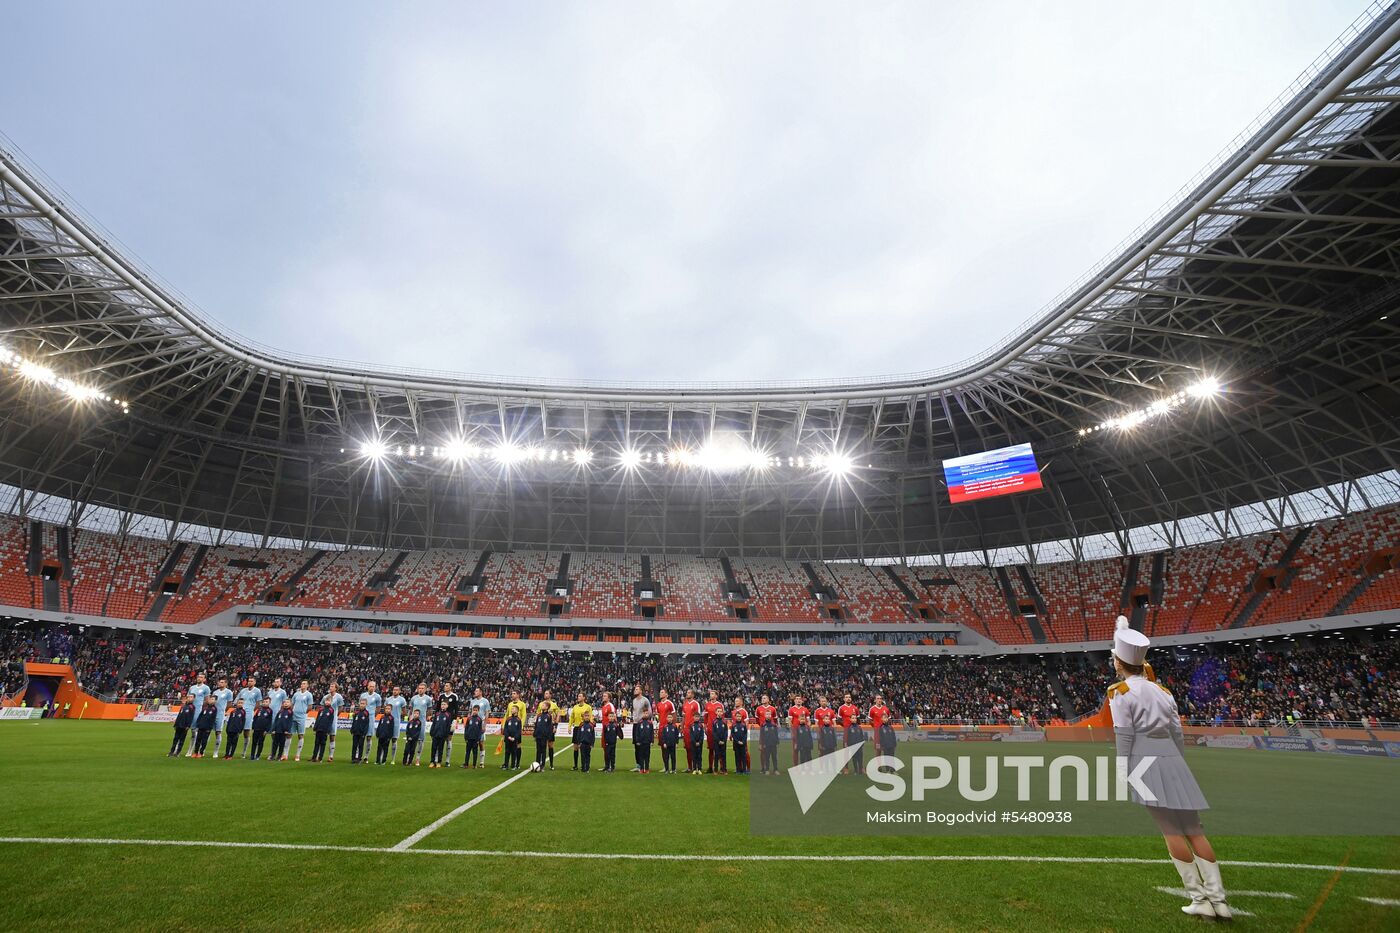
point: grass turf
(112, 780)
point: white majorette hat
(1129, 645)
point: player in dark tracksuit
(543, 732)
(696, 749)
(854, 736)
(739, 735)
(183, 721)
(360, 726)
(233, 729)
(719, 739)
(412, 735)
(473, 732)
(203, 723)
(670, 737)
(440, 729)
(282, 725)
(768, 747)
(262, 724)
(512, 734)
(384, 739)
(888, 740)
(584, 737)
(324, 728)
(802, 741)
(826, 738)
(643, 734)
(612, 731)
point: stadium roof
(1277, 273)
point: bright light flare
(509, 454)
(835, 462)
(1205, 388)
(374, 450)
(630, 459)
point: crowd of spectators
(1337, 678)
(97, 658)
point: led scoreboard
(991, 473)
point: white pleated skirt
(1169, 777)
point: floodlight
(1206, 387)
(374, 450)
(630, 459)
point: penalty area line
(670, 857)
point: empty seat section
(779, 589)
(603, 585)
(690, 588)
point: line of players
(426, 722)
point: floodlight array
(1206, 388)
(39, 374)
(711, 457)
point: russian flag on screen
(992, 473)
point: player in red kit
(823, 714)
(690, 711)
(607, 712)
(879, 712)
(714, 709)
(737, 715)
(847, 712)
(765, 711)
(797, 712)
(665, 710)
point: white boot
(1200, 905)
(1215, 891)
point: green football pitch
(101, 830)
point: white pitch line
(670, 857)
(1283, 895)
(1380, 901)
(442, 821)
(1236, 911)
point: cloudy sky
(637, 191)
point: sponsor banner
(1036, 736)
(1284, 743)
(158, 715)
(977, 736)
(933, 737)
(1392, 749)
(21, 712)
(1351, 747)
(1226, 741)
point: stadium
(1200, 436)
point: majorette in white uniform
(1146, 724)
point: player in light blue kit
(395, 703)
(197, 693)
(222, 698)
(302, 701)
(336, 701)
(276, 694)
(482, 707)
(250, 696)
(423, 703)
(372, 699)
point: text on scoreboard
(992, 473)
